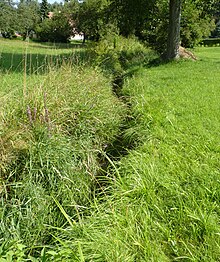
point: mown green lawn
(167, 200)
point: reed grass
(53, 126)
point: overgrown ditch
(121, 145)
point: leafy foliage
(8, 18)
(131, 16)
(148, 20)
(44, 8)
(195, 24)
(90, 17)
(28, 17)
(55, 29)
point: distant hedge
(211, 42)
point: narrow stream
(118, 148)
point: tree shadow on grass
(41, 63)
(48, 45)
(158, 61)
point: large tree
(149, 20)
(44, 9)
(173, 40)
(90, 17)
(28, 16)
(8, 18)
(55, 29)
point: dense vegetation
(92, 175)
(107, 152)
(147, 20)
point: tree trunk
(84, 38)
(174, 30)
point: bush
(9, 34)
(211, 42)
(57, 29)
(117, 54)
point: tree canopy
(146, 19)
(8, 17)
(44, 9)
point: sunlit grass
(159, 202)
(164, 204)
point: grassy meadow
(88, 175)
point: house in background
(77, 36)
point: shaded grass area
(39, 58)
(164, 202)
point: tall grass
(50, 143)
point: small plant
(43, 118)
(12, 251)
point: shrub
(117, 54)
(211, 42)
(56, 29)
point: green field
(89, 176)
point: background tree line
(146, 19)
